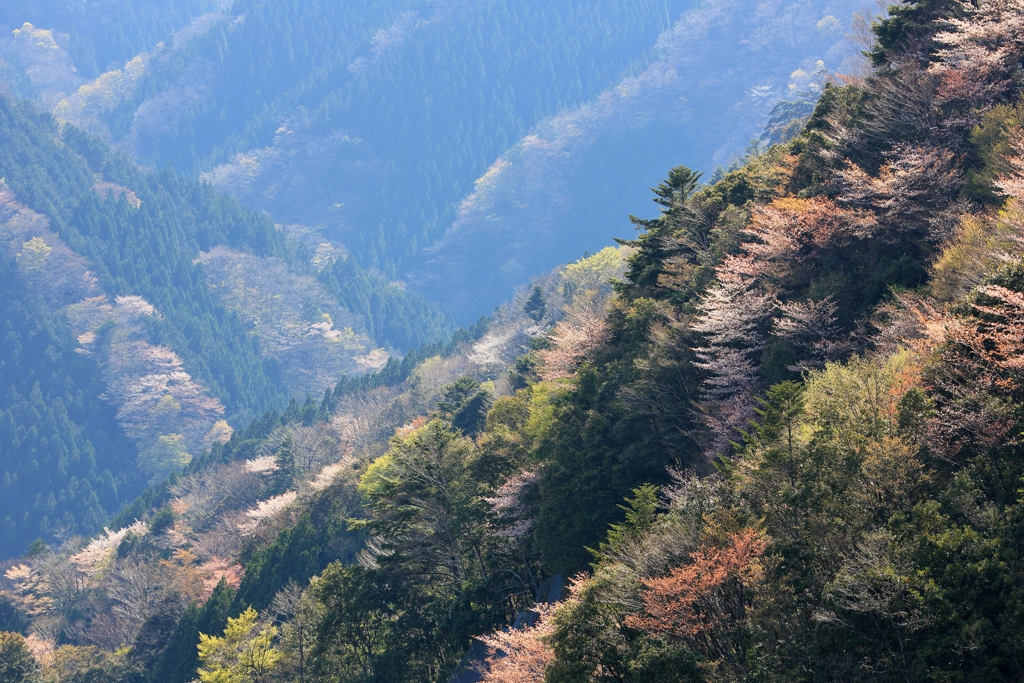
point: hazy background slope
(568, 187)
(101, 35)
(144, 315)
(459, 146)
(393, 137)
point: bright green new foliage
(246, 653)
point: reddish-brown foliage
(1003, 329)
(733, 315)
(701, 601)
(791, 228)
(985, 44)
(218, 569)
(1013, 184)
(910, 321)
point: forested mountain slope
(145, 315)
(98, 35)
(414, 115)
(703, 95)
(391, 125)
(384, 112)
(142, 240)
(823, 347)
(136, 351)
(66, 461)
(805, 381)
(277, 497)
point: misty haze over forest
(441, 143)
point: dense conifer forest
(429, 120)
(774, 436)
(389, 126)
(84, 228)
(374, 86)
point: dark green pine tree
(285, 459)
(465, 404)
(536, 307)
(909, 26)
(672, 195)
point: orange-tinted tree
(705, 604)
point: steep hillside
(431, 138)
(131, 351)
(140, 234)
(823, 348)
(352, 122)
(146, 315)
(805, 382)
(775, 437)
(423, 106)
(70, 43)
(709, 85)
(277, 498)
(66, 462)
